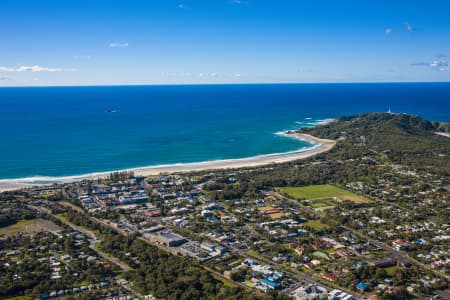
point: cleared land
(29, 226)
(265, 208)
(315, 225)
(276, 216)
(313, 192)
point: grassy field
(235, 263)
(322, 203)
(249, 283)
(276, 216)
(312, 192)
(391, 270)
(29, 226)
(265, 208)
(315, 225)
(64, 219)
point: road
(218, 275)
(92, 238)
(305, 209)
(445, 295)
(299, 276)
(394, 254)
(398, 255)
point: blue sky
(80, 42)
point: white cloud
(210, 75)
(118, 45)
(388, 31)
(408, 26)
(32, 69)
(437, 65)
(440, 65)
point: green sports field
(313, 192)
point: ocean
(66, 131)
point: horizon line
(219, 83)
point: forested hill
(404, 139)
(374, 124)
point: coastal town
(224, 150)
(381, 235)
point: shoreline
(445, 134)
(318, 146)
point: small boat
(110, 110)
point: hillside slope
(405, 139)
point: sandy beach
(318, 146)
(443, 134)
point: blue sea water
(63, 131)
